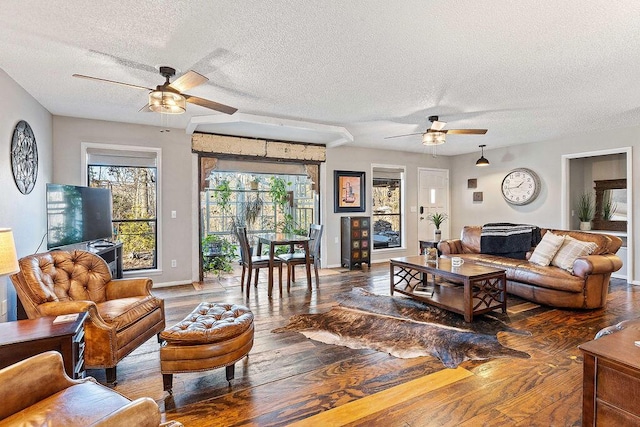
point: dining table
(284, 239)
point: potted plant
(585, 210)
(437, 218)
(609, 207)
(218, 254)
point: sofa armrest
(34, 379)
(125, 288)
(596, 264)
(141, 412)
(448, 247)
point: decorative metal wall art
(24, 157)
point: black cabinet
(112, 255)
(356, 241)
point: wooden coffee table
(470, 289)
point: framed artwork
(349, 191)
(477, 196)
(472, 183)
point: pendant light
(482, 161)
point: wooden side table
(22, 339)
(611, 378)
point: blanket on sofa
(508, 240)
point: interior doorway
(580, 172)
(433, 197)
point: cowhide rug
(404, 328)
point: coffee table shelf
(470, 289)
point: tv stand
(111, 253)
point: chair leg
(280, 278)
(289, 268)
(111, 376)
(315, 267)
(249, 281)
(293, 272)
(244, 269)
(255, 281)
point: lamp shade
(482, 161)
(167, 102)
(8, 257)
(433, 138)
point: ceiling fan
(436, 135)
(168, 98)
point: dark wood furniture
(22, 339)
(470, 289)
(611, 378)
(283, 239)
(356, 241)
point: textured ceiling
(527, 71)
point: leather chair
(38, 392)
(298, 258)
(123, 313)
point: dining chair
(253, 262)
(298, 258)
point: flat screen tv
(77, 214)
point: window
(132, 177)
(387, 207)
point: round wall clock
(520, 186)
(24, 157)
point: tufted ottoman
(211, 336)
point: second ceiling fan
(436, 134)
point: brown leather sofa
(123, 313)
(587, 287)
(38, 392)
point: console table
(611, 378)
(22, 339)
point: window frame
(121, 151)
(401, 170)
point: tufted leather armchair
(37, 392)
(123, 313)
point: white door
(433, 196)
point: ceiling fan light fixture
(482, 161)
(433, 138)
(166, 102)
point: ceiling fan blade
(467, 131)
(437, 125)
(400, 136)
(188, 80)
(145, 109)
(210, 104)
(81, 76)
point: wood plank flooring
(288, 378)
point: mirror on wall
(611, 205)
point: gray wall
(176, 181)
(25, 214)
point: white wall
(176, 180)
(545, 158)
(25, 214)
(359, 159)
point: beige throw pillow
(546, 249)
(570, 250)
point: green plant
(218, 254)
(281, 198)
(222, 195)
(585, 207)
(437, 218)
(609, 207)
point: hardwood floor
(289, 379)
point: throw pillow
(570, 250)
(546, 249)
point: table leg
(271, 265)
(305, 246)
(468, 301)
(391, 278)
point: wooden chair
(253, 262)
(297, 258)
